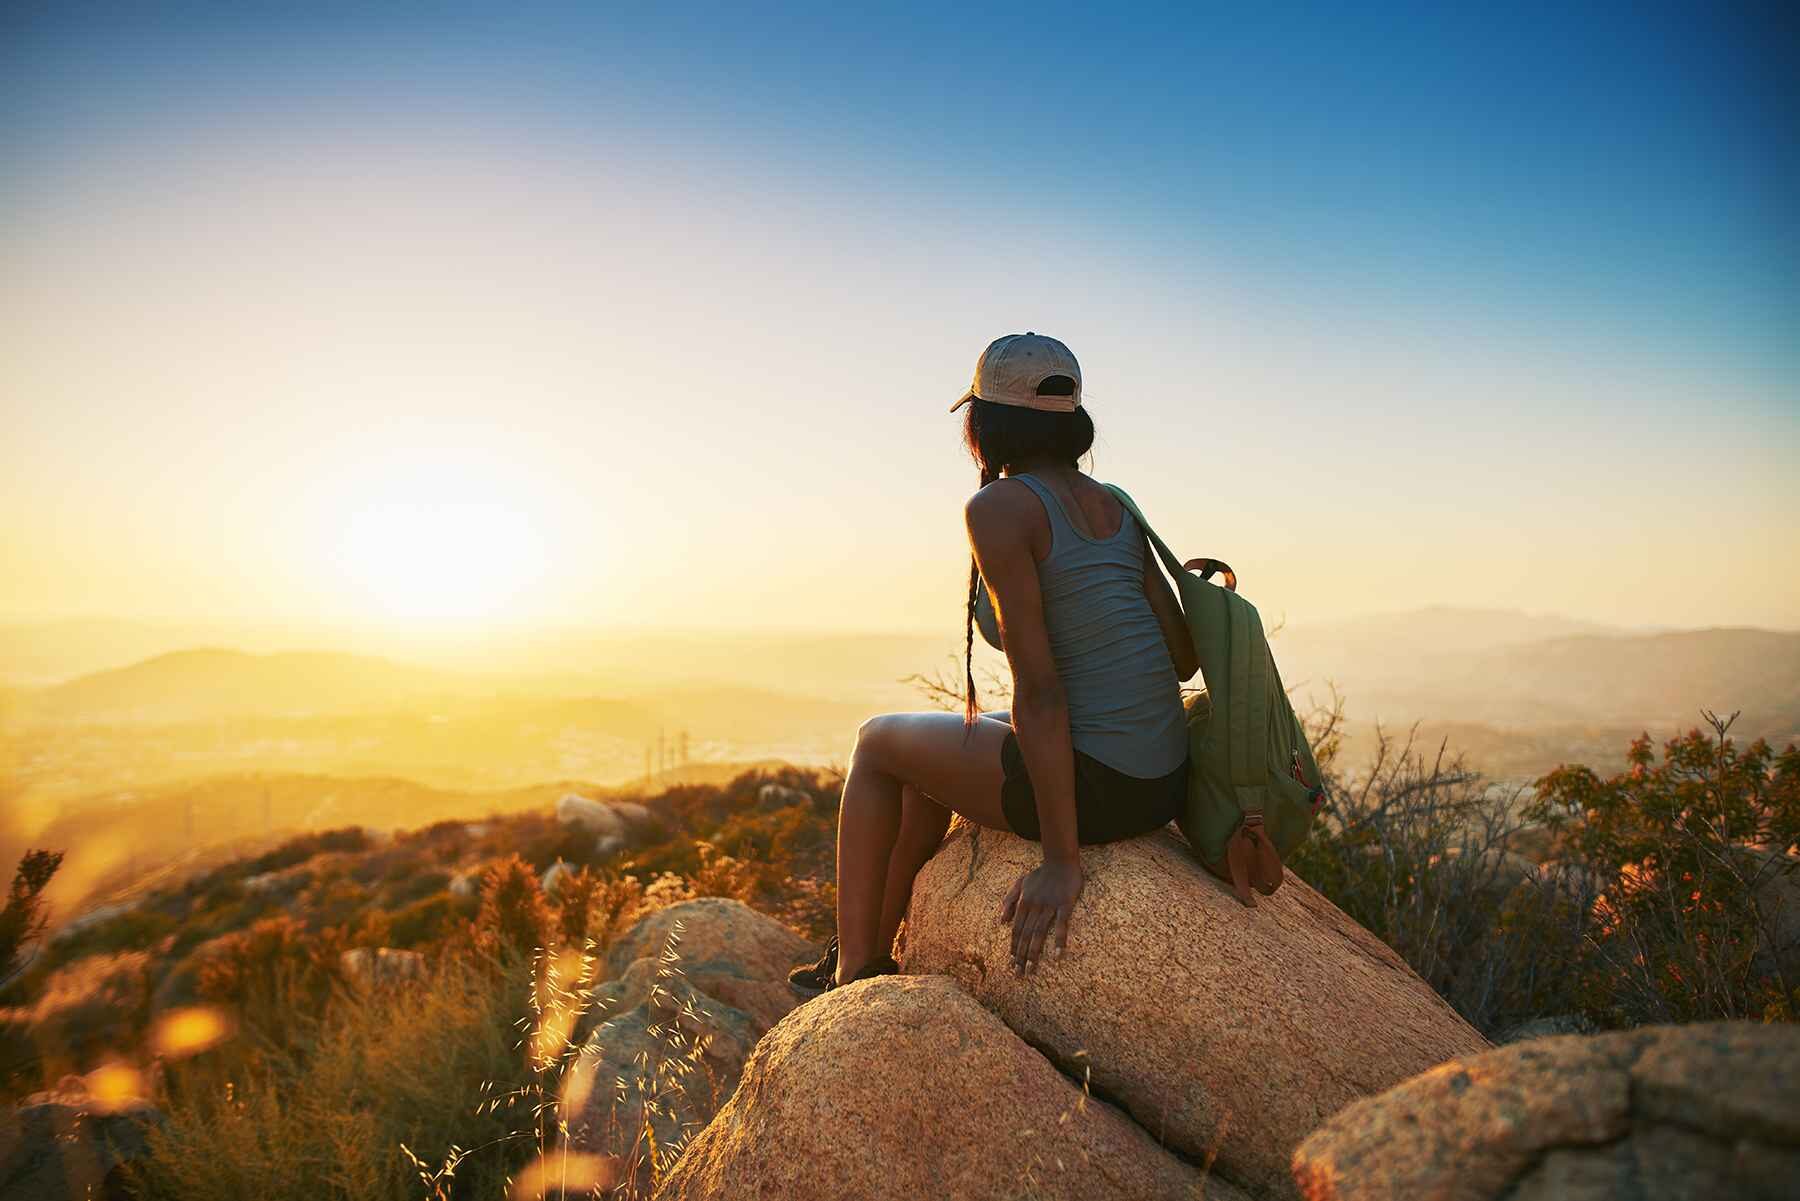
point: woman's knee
(874, 737)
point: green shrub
(1693, 860)
(1663, 903)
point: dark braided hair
(997, 436)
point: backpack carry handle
(1206, 568)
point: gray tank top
(1123, 694)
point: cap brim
(966, 398)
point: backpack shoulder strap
(1207, 568)
(1162, 548)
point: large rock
(640, 823)
(906, 1087)
(1709, 1110)
(615, 825)
(719, 936)
(773, 796)
(69, 1143)
(596, 817)
(666, 1040)
(381, 967)
(669, 1061)
(1223, 1030)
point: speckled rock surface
(1223, 1030)
(665, 1042)
(720, 937)
(905, 1087)
(670, 1060)
(1664, 1112)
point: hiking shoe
(811, 979)
(881, 965)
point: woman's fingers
(1028, 937)
(1008, 906)
(1062, 928)
(1021, 935)
(1034, 948)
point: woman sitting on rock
(1095, 746)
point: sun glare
(438, 541)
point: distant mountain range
(1504, 669)
(1512, 670)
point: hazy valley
(173, 752)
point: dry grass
(580, 1143)
(463, 1085)
(381, 1069)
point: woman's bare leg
(923, 822)
(959, 769)
(922, 825)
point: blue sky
(1597, 205)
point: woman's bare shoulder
(1007, 512)
(999, 498)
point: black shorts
(1109, 805)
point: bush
(269, 977)
(514, 918)
(23, 918)
(1698, 906)
(575, 899)
(1672, 898)
(431, 920)
(1414, 848)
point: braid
(971, 708)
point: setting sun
(437, 536)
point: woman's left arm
(1042, 901)
(1167, 608)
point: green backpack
(1249, 802)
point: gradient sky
(653, 318)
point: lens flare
(578, 1081)
(184, 1032)
(559, 1174)
(115, 1086)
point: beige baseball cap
(1012, 369)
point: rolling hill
(209, 683)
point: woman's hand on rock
(1039, 905)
